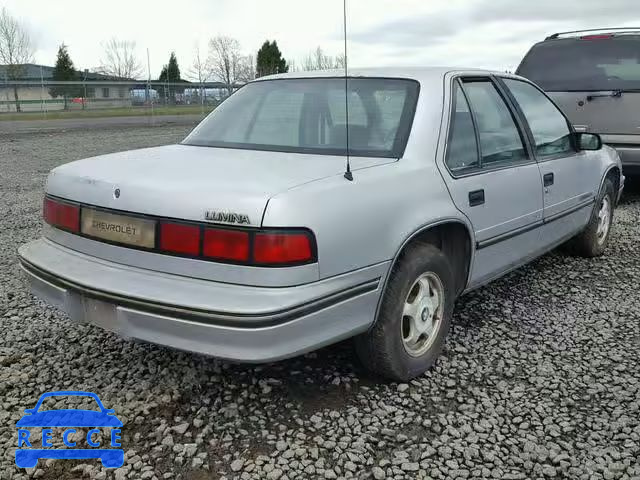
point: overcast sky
(476, 33)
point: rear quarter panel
(367, 221)
(364, 222)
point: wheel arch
(435, 233)
(611, 168)
(613, 172)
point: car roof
(579, 34)
(421, 74)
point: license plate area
(116, 228)
(99, 313)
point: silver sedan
(310, 208)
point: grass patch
(110, 112)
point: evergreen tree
(170, 73)
(64, 72)
(269, 60)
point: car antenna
(347, 174)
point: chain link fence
(49, 99)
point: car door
(492, 177)
(570, 177)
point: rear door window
(501, 142)
(462, 154)
(549, 127)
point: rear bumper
(252, 324)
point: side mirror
(588, 141)
(29, 410)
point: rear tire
(592, 241)
(414, 317)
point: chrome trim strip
(205, 316)
(569, 211)
(532, 226)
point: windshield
(309, 116)
(584, 65)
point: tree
(169, 75)
(64, 72)
(318, 60)
(120, 59)
(226, 62)
(16, 49)
(270, 61)
(246, 69)
(199, 72)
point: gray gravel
(539, 378)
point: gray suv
(594, 76)
(282, 223)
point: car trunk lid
(184, 182)
(192, 183)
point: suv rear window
(309, 116)
(584, 64)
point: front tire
(414, 317)
(592, 241)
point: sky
(491, 34)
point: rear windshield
(584, 65)
(309, 116)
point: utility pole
(6, 84)
(84, 84)
(149, 82)
(44, 105)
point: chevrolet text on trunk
(249, 241)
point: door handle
(476, 198)
(548, 179)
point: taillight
(226, 244)
(180, 238)
(244, 246)
(282, 248)
(61, 215)
(596, 37)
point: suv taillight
(61, 215)
(604, 36)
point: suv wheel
(592, 241)
(414, 318)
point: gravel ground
(539, 378)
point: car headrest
(358, 136)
